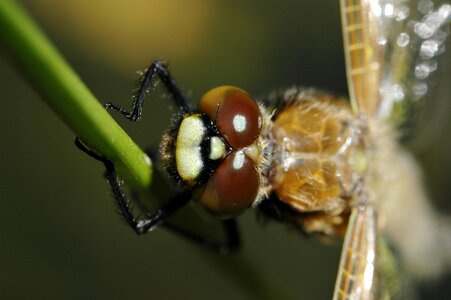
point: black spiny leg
(150, 221)
(156, 68)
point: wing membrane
(413, 49)
(391, 48)
(356, 271)
(361, 25)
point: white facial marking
(188, 155)
(239, 123)
(217, 148)
(238, 160)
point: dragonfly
(318, 162)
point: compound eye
(232, 188)
(235, 113)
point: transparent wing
(417, 100)
(355, 277)
(364, 57)
(391, 48)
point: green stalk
(68, 96)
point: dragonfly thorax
(315, 159)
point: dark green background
(59, 234)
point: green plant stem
(67, 95)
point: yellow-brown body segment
(313, 168)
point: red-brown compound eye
(232, 188)
(235, 113)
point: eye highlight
(235, 113)
(232, 188)
(239, 123)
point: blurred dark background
(60, 235)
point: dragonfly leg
(159, 69)
(152, 220)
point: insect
(305, 157)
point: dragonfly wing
(361, 26)
(391, 48)
(355, 278)
(414, 89)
